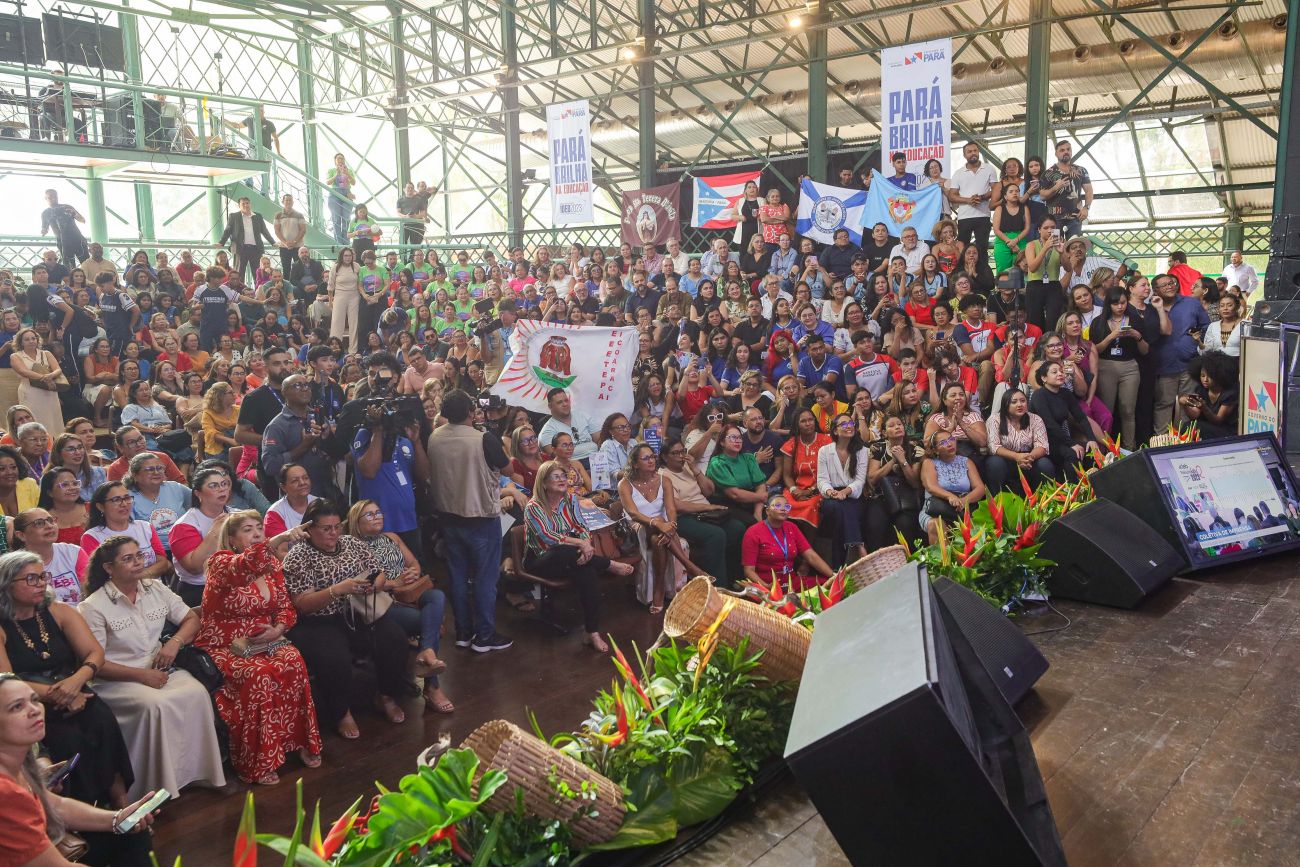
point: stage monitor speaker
(1010, 659)
(1131, 485)
(1284, 235)
(1107, 555)
(906, 746)
(20, 40)
(1282, 280)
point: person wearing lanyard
(216, 296)
(775, 546)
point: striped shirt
(546, 528)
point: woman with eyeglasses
(196, 535)
(70, 451)
(266, 698)
(36, 530)
(841, 479)
(799, 468)
(110, 515)
(155, 498)
(527, 457)
(154, 702)
(558, 545)
(61, 496)
(48, 644)
(418, 606)
(952, 483)
(776, 547)
(333, 580)
(704, 433)
(739, 482)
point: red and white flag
(716, 197)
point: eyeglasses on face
(218, 485)
(43, 522)
(37, 579)
(118, 500)
(131, 559)
(371, 515)
(779, 506)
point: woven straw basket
(784, 643)
(876, 565)
(528, 762)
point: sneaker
(464, 640)
(496, 641)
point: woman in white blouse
(1225, 335)
(165, 714)
(1017, 444)
(841, 477)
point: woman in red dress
(800, 468)
(266, 699)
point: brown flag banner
(652, 215)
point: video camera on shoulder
(486, 323)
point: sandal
(595, 642)
(310, 760)
(424, 668)
(438, 705)
(265, 780)
(390, 710)
(348, 728)
(521, 602)
(656, 610)
(618, 567)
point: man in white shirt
(970, 189)
(675, 254)
(715, 261)
(911, 249)
(1241, 275)
(565, 419)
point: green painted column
(144, 211)
(216, 215)
(1037, 96)
(131, 50)
(314, 206)
(401, 120)
(645, 73)
(510, 104)
(1234, 233)
(96, 211)
(817, 93)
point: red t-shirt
(186, 273)
(768, 550)
(922, 314)
(692, 402)
(969, 379)
(22, 833)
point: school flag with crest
(898, 208)
(593, 364)
(716, 197)
(824, 210)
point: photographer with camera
(259, 408)
(466, 495)
(296, 436)
(1015, 341)
(387, 451)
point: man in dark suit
(244, 233)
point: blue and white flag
(824, 210)
(898, 208)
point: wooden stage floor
(1166, 736)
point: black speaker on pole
(1009, 658)
(905, 744)
(1107, 555)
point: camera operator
(467, 497)
(388, 454)
(295, 436)
(494, 413)
(327, 397)
(259, 408)
(1015, 341)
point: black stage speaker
(1132, 485)
(20, 40)
(1107, 555)
(907, 747)
(1009, 658)
(82, 42)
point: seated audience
(775, 549)
(286, 512)
(841, 480)
(799, 469)
(196, 535)
(19, 488)
(952, 483)
(154, 498)
(70, 450)
(36, 530)
(1017, 445)
(61, 497)
(130, 442)
(894, 472)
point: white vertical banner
(916, 104)
(568, 134)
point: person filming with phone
(42, 828)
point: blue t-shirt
(811, 374)
(392, 487)
(173, 501)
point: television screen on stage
(1229, 499)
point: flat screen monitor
(1229, 499)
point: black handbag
(199, 664)
(899, 496)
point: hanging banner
(824, 210)
(568, 135)
(716, 197)
(916, 105)
(652, 216)
(898, 208)
(593, 364)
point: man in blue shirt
(818, 364)
(902, 178)
(838, 258)
(1173, 352)
(389, 463)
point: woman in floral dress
(266, 698)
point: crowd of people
(230, 477)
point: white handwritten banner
(916, 104)
(593, 364)
(568, 131)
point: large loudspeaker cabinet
(906, 746)
(1010, 659)
(1130, 484)
(1107, 555)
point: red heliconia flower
(997, 513)
(1024, 485)
(1027, 538)
(363, 821)
(620, 662)
(246, 837)
(620, 717)
(966, 530)
(836, 592)
(971, 560)
(1097, 457)
(337, 834)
